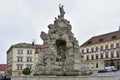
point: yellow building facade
(38, 49)
(102, 51)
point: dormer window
(114, 37)
(89, 42)
(100, 40)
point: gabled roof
(3, 67)
(102, 38)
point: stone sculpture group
(61, 50)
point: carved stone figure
(62, 12)
(61, 49)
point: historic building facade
(102, 51)
(3, 69)
(20, 56)
(38, 50)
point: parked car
(114, 70)
(90, 72)
(103, 71)
(111, 68)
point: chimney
(33, 41)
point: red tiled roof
(102, 38)
(3, 67)
(38, 48)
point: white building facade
(20, 56)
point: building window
(20, 51)
(82, 50)
(117, 62)
(100, 40)
(96, 65)
(92, 49)
(101, 55)
(117, 53)
(96, 48)
(101, 47)
(87, 50)
(112, 46)
(29, 59)
(19, 59)
(106, 46)
(112, 54)
(96, 56)
(92, 57)
(29, 51)
(29, 66)
(87, 57)
(114, 37)
(106, 64)
(117, 45)
(19, 66)
(106, 54)
(89, 42)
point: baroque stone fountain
(61, 50)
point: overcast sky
(23, 20)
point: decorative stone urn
(61, 50)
